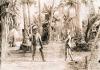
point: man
(36, 42)
(68, 46)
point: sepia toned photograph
(49, 34)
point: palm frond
(84, 1)
(71, 2)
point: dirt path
(54, 56)
(94, 63)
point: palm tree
(92, 18)
(74, 23)
(26, 5)
(8, 21)
(5, 28)
(73, 4)
(48, 10)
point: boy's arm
(66, 40)
(40, 41)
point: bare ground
(54, 56)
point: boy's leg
(42, 53)
(33, 51)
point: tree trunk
(94, 43)
(5, 32)
(46, 29)
(26, 24)
(51, 18)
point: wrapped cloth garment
(37, 41)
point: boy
(36, 42)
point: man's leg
(69, 52)
(42, 53)
(33, 51)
